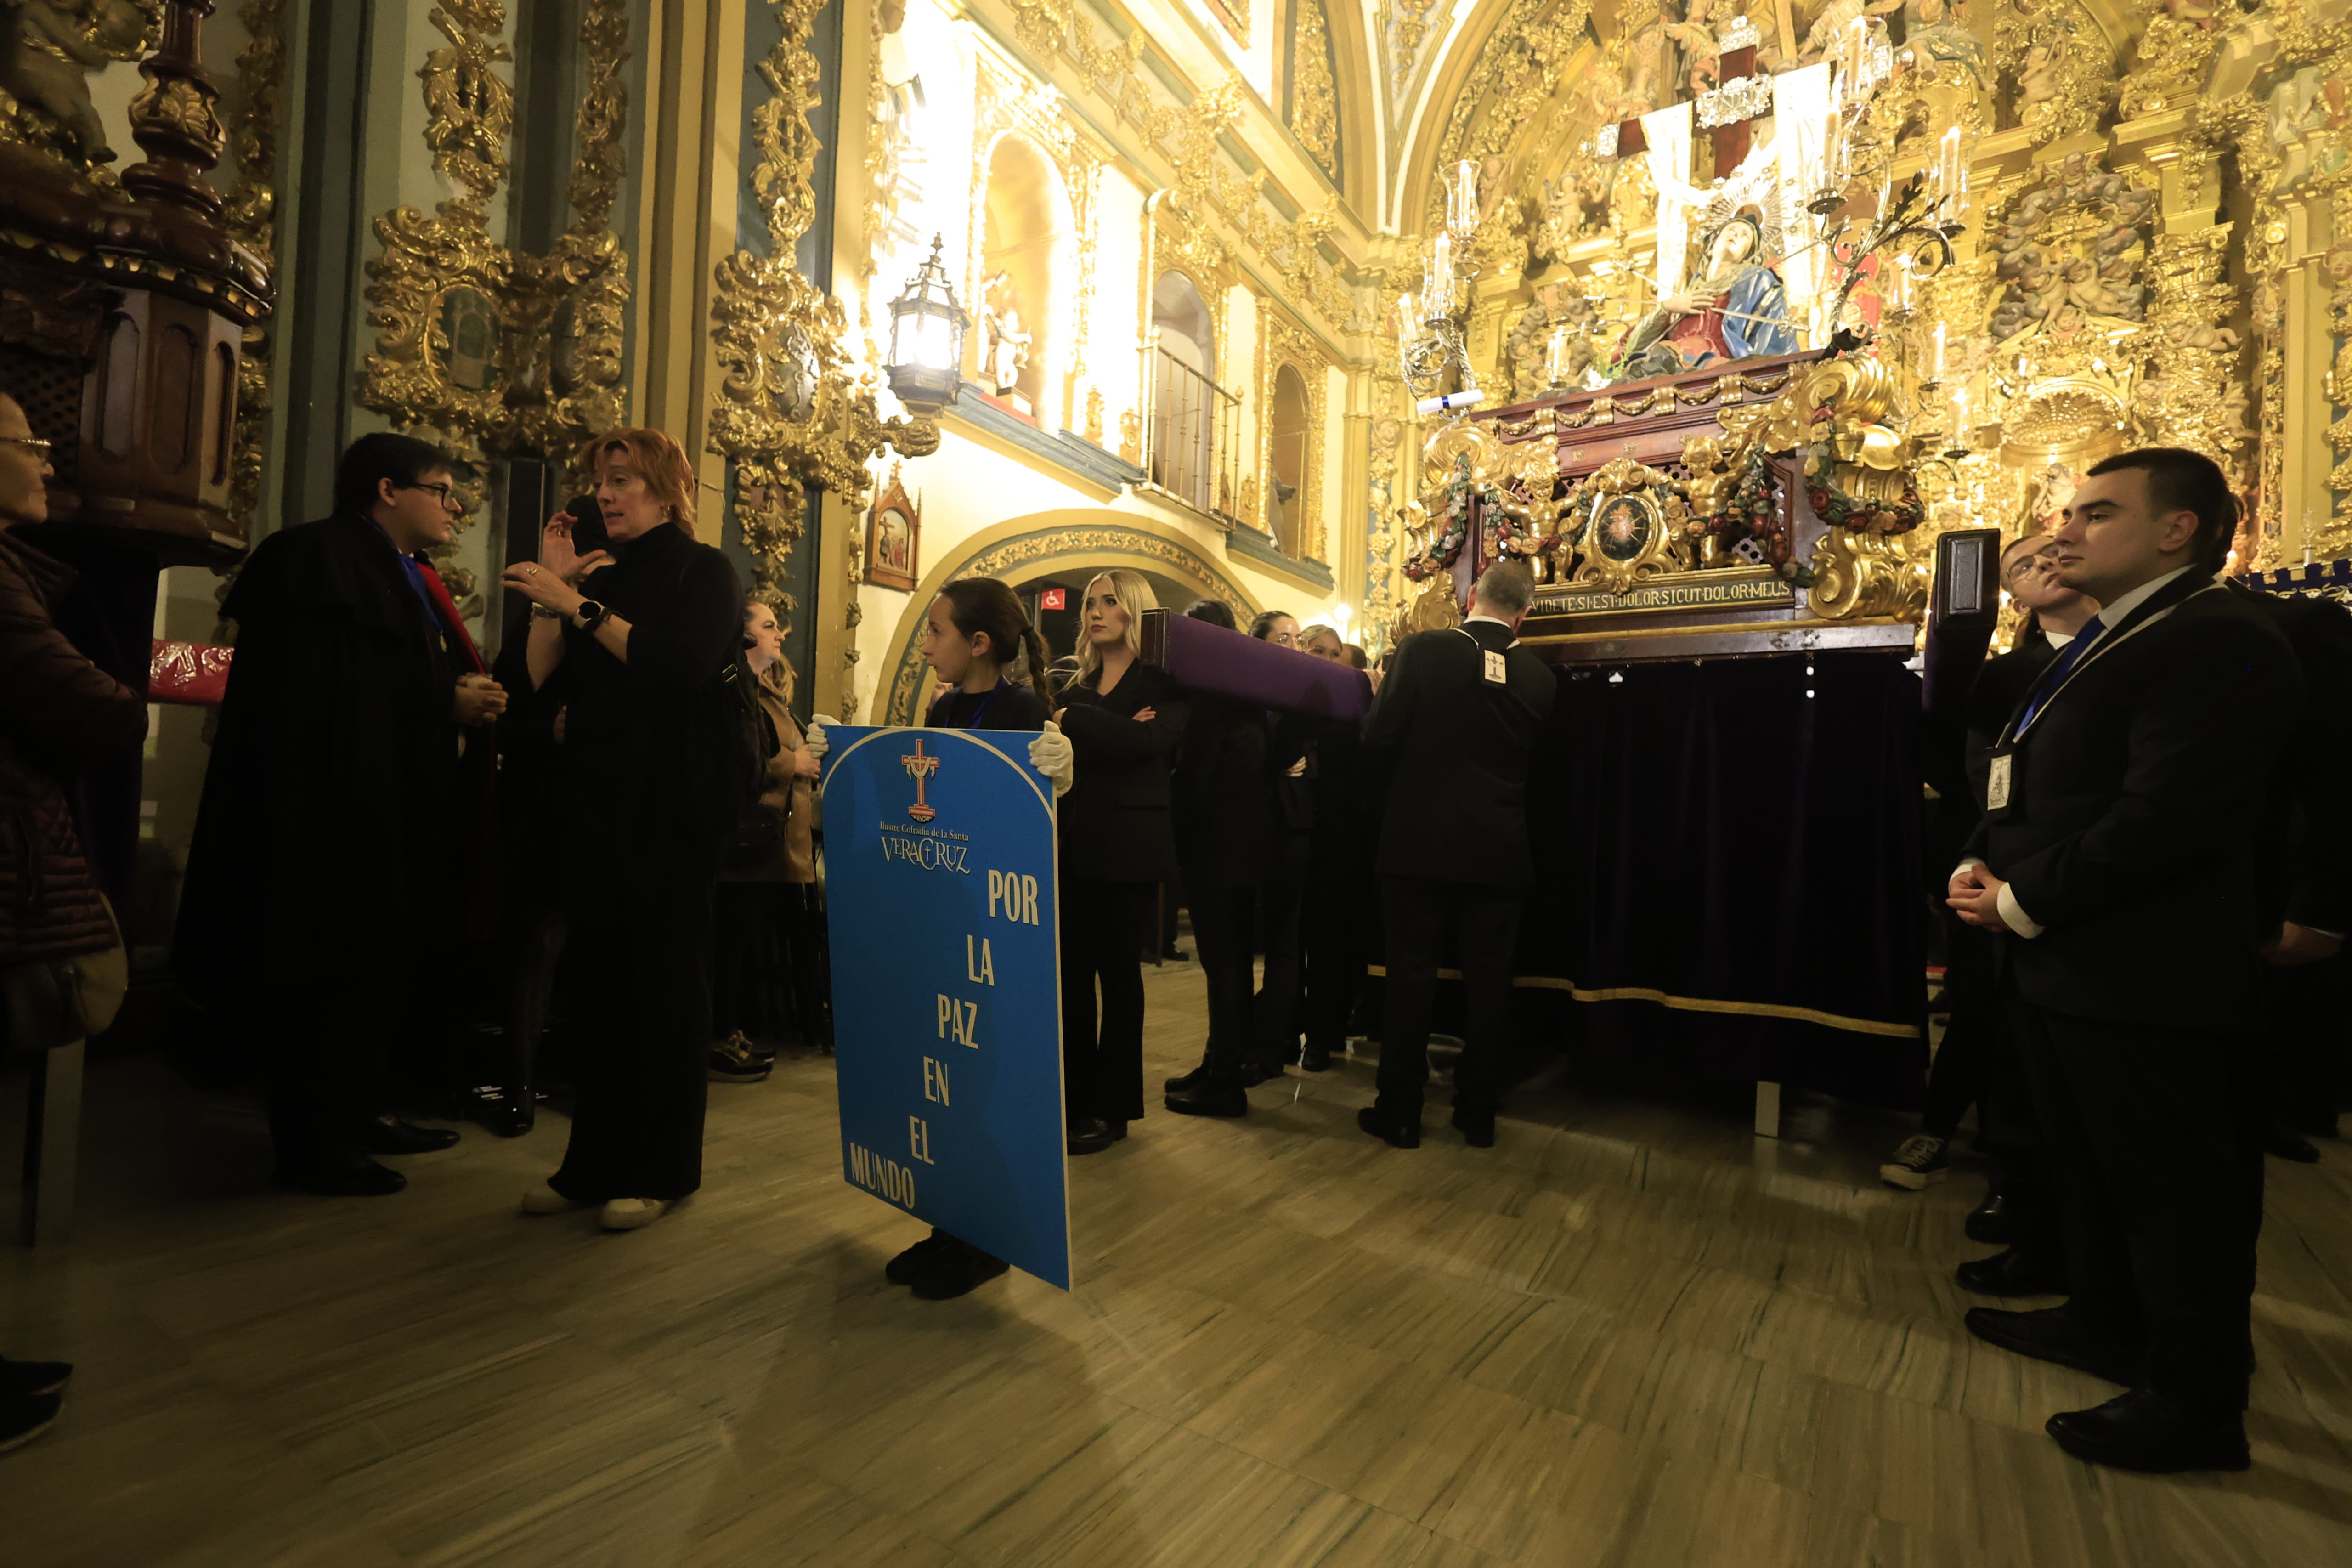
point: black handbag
(759, 840)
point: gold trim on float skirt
(1696, 1004)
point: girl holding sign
(975, 629)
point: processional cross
(919, 768)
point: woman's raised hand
(559, 553)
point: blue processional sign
(947, 1002)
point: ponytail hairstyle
(983, 605)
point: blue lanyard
(973, 722)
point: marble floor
(1629, 1335)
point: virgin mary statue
(1738, 310)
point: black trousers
(1485, 922)
(1281, 899)
(1223, 926)
(1335, 947)
(331, 1041)
(2305, 1036)
(1957, 1080)
(2153, 1142)
(1103, 926)
(644, 1009)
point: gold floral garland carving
(790, 412)
(249, 211)
(1314, 94)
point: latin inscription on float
(1679, 594)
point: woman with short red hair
(639, 636)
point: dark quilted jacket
(59, 713)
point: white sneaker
(1922, 1160)
(633, 1213)
(544, 1199)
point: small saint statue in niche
(1738, 310)
(1009, 340)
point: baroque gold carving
(1204, 186)
(251, 214)
(2063, 67)
(546, 374)
(45, 99)
(1314, 102)
(1003, 105)
(789, 411)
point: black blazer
(1114, 821)
(2307, 857)
(2136, 798)
(1232, 808)
(1455, 748)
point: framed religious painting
(893, 537)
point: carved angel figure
(2037, 77)
(45, 60)
(1008, 340)
(1829, 28)
(1696, 34)
(1938, 30)
(2196, 335)
(2085, 289)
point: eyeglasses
(35, 442)
(448, 502)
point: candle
(1464, 202)
(1939, 351)
(1556, 357)
(1408, 322)
(1441, 274)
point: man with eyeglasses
(320, 886)
(1976, 1062)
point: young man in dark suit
(2117, 858)
(1452, 727)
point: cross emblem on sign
(919, 768)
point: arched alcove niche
(1027, 267)
(1289, 446)
(1185, 400)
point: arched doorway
(1069, 546)
(1292, 422)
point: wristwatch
(592, 615)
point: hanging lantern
(926, 328)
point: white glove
(1050, 754)
(813, 737)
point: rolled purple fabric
(1235, 663)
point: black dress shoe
(23, 1379)
(910, 1265)
(954, 1269)
(1314, 1059)
(1476, 1130)
(1215, 1095)
(1187, 1080)
(2143, 1430)
(22, 1420)
(362, 1178)
(2011, 1273)
(2051, 1334)
(511, 1116)
(1117, 1130)
(1388, 1128)
(2284, 1143)
(1091, 1135)
(390, 1136)
(1254, 1073)
(1989, 1221)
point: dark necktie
(2055, 676)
